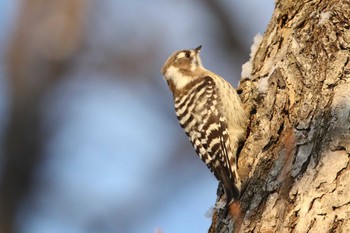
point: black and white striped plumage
(211, 113)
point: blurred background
(89, 138)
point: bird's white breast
(232, 109)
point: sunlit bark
(298, 98)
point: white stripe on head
(181, 55)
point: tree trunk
(297, 151)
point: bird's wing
(207, 130)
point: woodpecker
(211, 113)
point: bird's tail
(231, 186)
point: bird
(211, 113)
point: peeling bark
(298, 148)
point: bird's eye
(187, 54)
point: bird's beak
(198, 49)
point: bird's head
(182, 66)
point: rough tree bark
(298, 147)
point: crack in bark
(311, 225)
(313, 201)
(336, 223)
(338, 207)
(339, 173)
